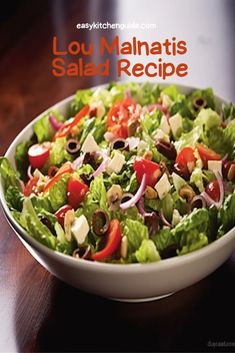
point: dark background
(37, 311)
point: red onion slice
(136, 197)
(101, 168)
(29, 172)
(161, 107)
(198, 198)
(140, 206)
(127, 94)
(54, 123)
(164, 220)
(224, 158)
(209, 200)
(78, 161)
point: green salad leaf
(135, 232)
(35, 227)
(147, 252)
(226, 215)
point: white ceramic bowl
(132, 282)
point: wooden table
(37, 311)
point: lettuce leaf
(14, 198)
(147, 93)
(164, 239)
(206, 94)
(226, 215)
(221, 140)
(58, 192)
(9, 175)
(63, 245)
(196, 178)
(98, 192)
(151, 121)
(58, 153)
(228, 111)
(43, 129)
(35, 227)
(189, 138)
(21, 158)
(191, 232)
(207, 118)
(94, 126)
(147, 252)
(198, 219)
(194, 241)
(173, 92)
(181, 107)
(135, 232)
(82, 97)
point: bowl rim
(158, 265)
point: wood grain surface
(39, 313)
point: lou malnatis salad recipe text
(79, 67)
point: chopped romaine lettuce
(135, 232)
(147, 252)
(35, 227)
(226, 215)
(21, 158)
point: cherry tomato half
(207, 154)
(151, 169)
(61, 213)
(76, 192)
(38, 154)
(186, 156)
(114, 237)
(118, 117)
(213, 190)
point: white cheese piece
(80, 229)
(161, 135)
(191, 166)
(100, 108)
(164, 125)
(176, 217)
(178, 182)
(142, 146)
(90, 145)
(166, 101)
(163, 186)
(215, 166)
(176, 124)
(116, 163)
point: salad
(134, 173)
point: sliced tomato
(61, 213)
(30, 187)
(114, 237)
(213, 190)
(38, 154)
(66, 168)
(76, 192)
(66, 128)
(207, 154)
(186, 156)
(118, 117)
(151, 169)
